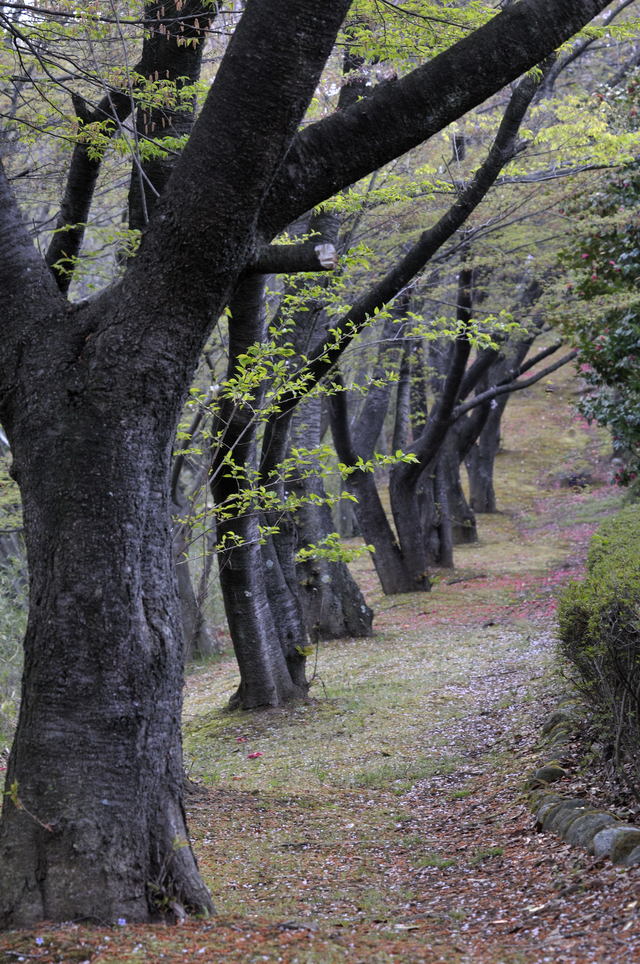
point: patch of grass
(433, 860)
(487, 853)
(460, 794)
(402, 775)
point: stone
(584, 828)
(558, 819)
(625, 844)
(632, 858)
(564, 818)
(550, 772)
(550, 801)
(558, 716)
(616, 842)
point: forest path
(384, 820)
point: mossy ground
(381, 821)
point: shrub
(599, 628)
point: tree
(93, 823)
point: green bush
(599, 628)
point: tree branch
(160, 52)
(581, 46)
(501, 152)
(294, 258)
(516, 386)
(237, 145)
(399, 115)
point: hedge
(599, 629)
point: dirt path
(384, 821)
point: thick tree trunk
(287, 610)
(93, 824)
(265, 677)
(445, 539)
(409, 517)
(333, 604)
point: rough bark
(460, 514)
(161, 57)
(93, 826)
(402, 114)
(333, 605)
(263, 658)
(373, 523)
(480, 461)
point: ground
(385, 819)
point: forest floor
(384, 820)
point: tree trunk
(287, 609)
(480, 463)
(463, 522)
(265, 677)
(93, 823)
(332, 602)
(445, 530)
(409, 519)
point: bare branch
(516, 386)
(294, 258)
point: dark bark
(417, 525)
(295, 258)
(264, 657)
(161, 57)
(460, 515)
(94, 825)
(504, 148)
(339, 150)
(172, 51)
(333, 605)
(374, 526)
(480, 462)
(445, 527)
